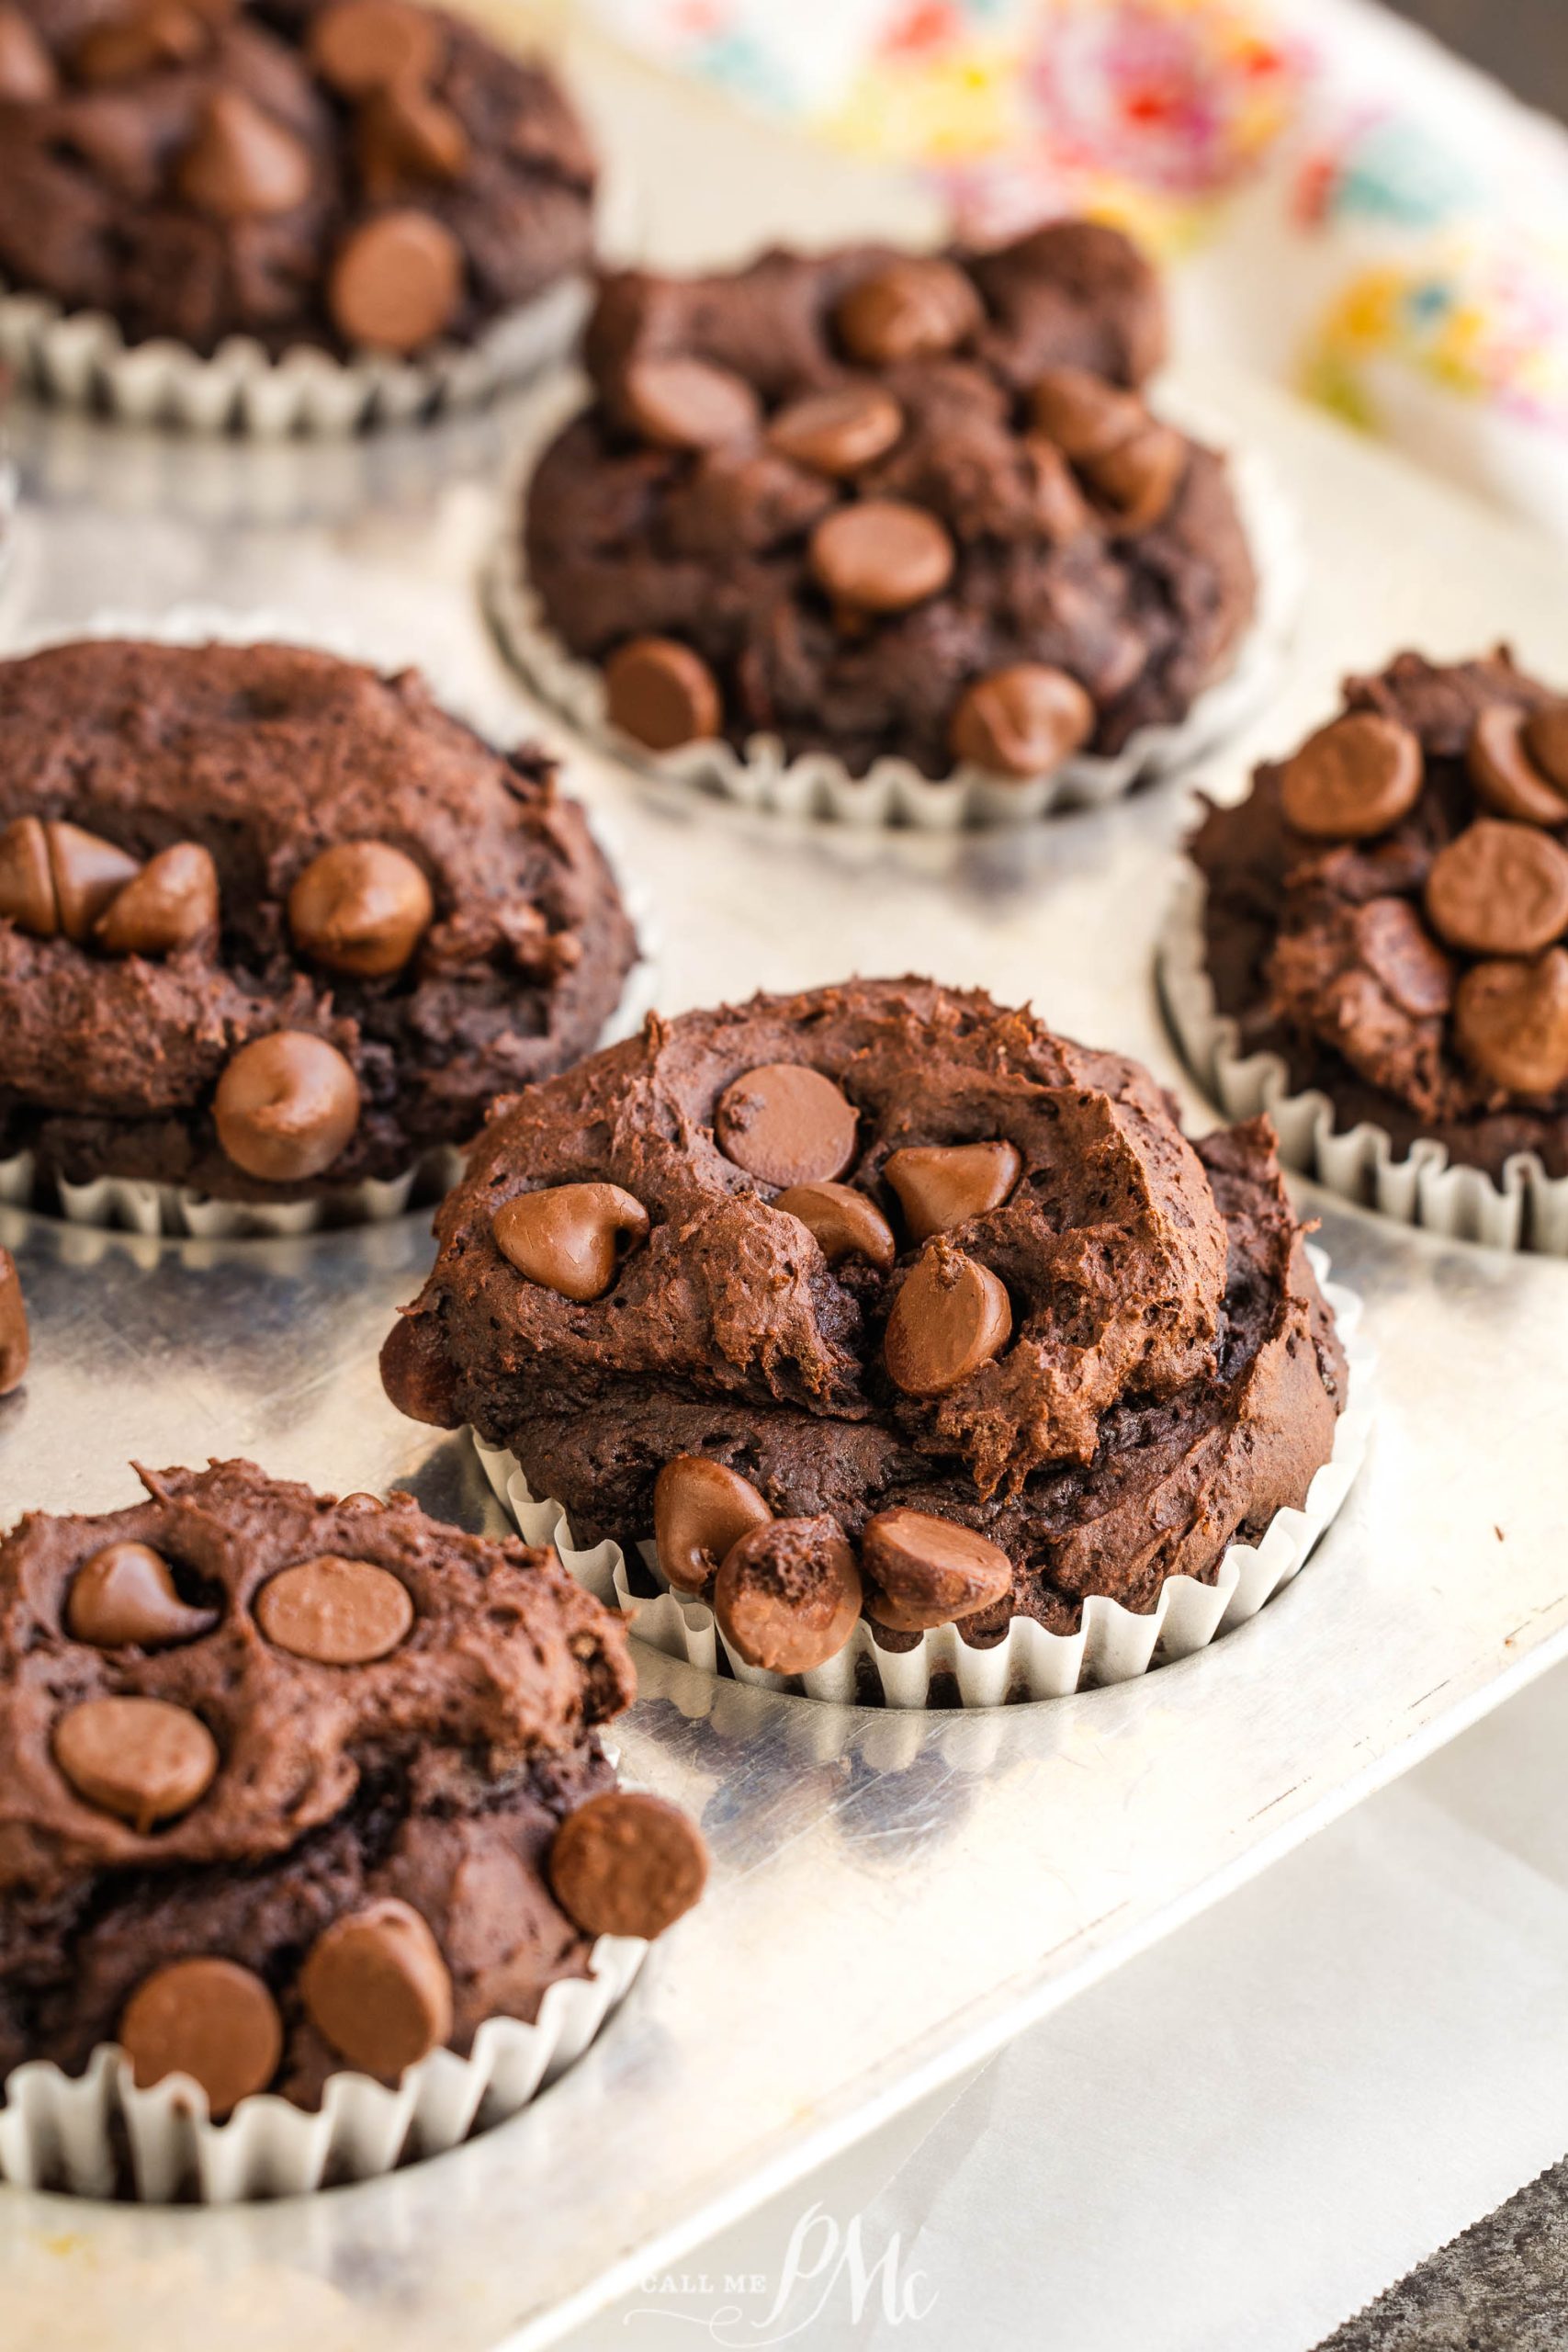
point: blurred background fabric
(1340, 199)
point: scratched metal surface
(892, 1894)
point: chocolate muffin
(1388, 911)
(271, 923)
(358, 175)
(872, 504)
(881, 1299)
(289, 1784)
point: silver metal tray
(894, 1894)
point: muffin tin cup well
(894, 791)
(1424, 1186)
(96, 2134)
(1112, 1644)
(139, 1205)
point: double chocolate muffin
(873, 503)
(289, 1784)
(358, 175)
(271, 923)
(881, 1299)
(1388, 911)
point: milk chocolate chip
(1023, 720)
(951, 1317)
(27, 70)
(1140, 476)
(171, 904)
(839, 431)
(140, 1759)
(88, 872)
(912, 309)
(208, 2018)
(404, 132)
(1404, 958)
(880, 555)
(1505, 775)
(241, 164)
(14, 1346)
(624, 1864)
(137, 42)
(285, 1106)
(363, 45)
(786, 1123)
(1499, 889)
(661, 693)
(126, 1593)
(335, 1612)
(376, 1986)
(924, 1571)
(942, 1185)
(397, 281)
(700, 1510)
(787, 1595)
(843, 1222)
(1356, 777)
(360, 907)
(1546, 740)
(569, 1237)
(1511, 1023)
(689, 404)
(418, 1374)
(27, 882)
(1085, 416)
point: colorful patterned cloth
(1341, 201)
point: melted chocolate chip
(140, 1759)
(786, 1124)
(701, 1508)
(787, 1595)
(208, 2018)
(171, 904)
(571, 1237)
(689, 404)
(1511, 1023)
(1353, 780)
(336, 1611)
(880, 555)
(626, 1864)
(1499, 889)
(916, 308)
(951, 1317)
(286, 1107)
(839, 431)
(126, 1594)
(924, 1571)
(843, 1223)
(943, 1185)
(361, 906)
(376, 1986)
(1506, 777)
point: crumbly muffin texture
(871, 503)
(878, 1254)
(271, 923)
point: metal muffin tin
(893, 1895)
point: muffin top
(269, 921)
(259, 1744)
(1389, 909)
(885, 1248)
(354, 174)
(874, 503)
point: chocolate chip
(140, 1759)
(1499, 889)
(700, 1510)
(951, 1317)
(943, 1185)
(1023, 720)
(27, 882)
(624, 1864)
(397, 281)
(662, 693)
(27, 70)
(363, 45)
(913, 309)
(14, 1345)
(336, 1611)
(208, 2018)
(166, 33)
(243, 165)
(404, 132)
(171, 904)
(689, 404)
(924, 1571)
(126, 1593)
(88, 872)
(376, 1986)
(880, 555)
(1140, 476)
(286, 1107)
(1503, 772)
(1085, 416)
(417, 1373)
(839, 431)
(1511, 1023)
(1354, 779)
(842, 1221)
(787, 1595)
(1546, 738)
(569, 1237)
(1403, 957)
(360, 907)
(786, 1123)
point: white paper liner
(1112, 1644)
(139, 1205)
(66, 2132)
(1529, 1210)
(894, 791)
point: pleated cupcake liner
(96, 2135)
(1112, 1644)
(894, 791)
(1423, 1186)
(139, 1205)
